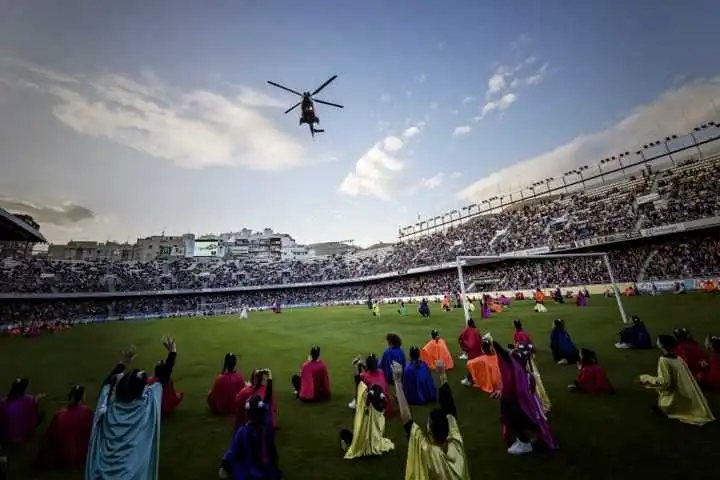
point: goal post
(468, 261)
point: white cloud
(507, 100)
(409, 93)
(461, 130)
(468, 99)
(386, 98)
(421, 78)
(455, 175)
(376, 171)
(413, 130)
(496, 83)
(254, 98)
(191, 129)
(432, 182)
(674, 111)
(538, 76)
(434, 106)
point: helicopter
(307, 104)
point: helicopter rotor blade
(293, 107)
(327, 103)
(317, 90)
(277, 85)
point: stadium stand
(656, 225)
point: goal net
(509, 274)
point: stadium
(656, 218)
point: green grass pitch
(599, 437)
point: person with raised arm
(313, 383)
(125, 438)
(257, 387)
(438, 453)
(65, 442)
(20, 413)
(227, 384)
(171, 398)
(252, 453)
(370, 374)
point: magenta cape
(514, 374)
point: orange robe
(485, 372)
(435, 350)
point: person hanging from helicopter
(307, 105)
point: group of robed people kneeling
(121, 438)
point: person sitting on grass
(483, 371)
(125, 438)
(256, 387)
(20, 413)
(171, 399)
(439, 452)
(470, 341)
(227, 384)
(418, 383)
(370, 374)
(525, 427)
(529, 352)
(253, 453)
(65, 442)
(691, 352)
(402, 311)
(520, 337)
(424, 308)
(591, 378)
(679, 396)
(563, 349)
(313, 383)
(635, 335)
(436, 349)
(368, 435)
(393, 353)
(710, 378)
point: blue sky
(120, 119)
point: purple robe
(252, 454)
(522, 393)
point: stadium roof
(12, 229)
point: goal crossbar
(463, 260)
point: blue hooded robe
(125, 438)
(418, 384)
(390, 355)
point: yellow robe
(427, 461)
(540, 388)
(368, 429)
(679, 395)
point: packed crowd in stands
(685, 192)
(694, 256)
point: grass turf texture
(599, 437)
